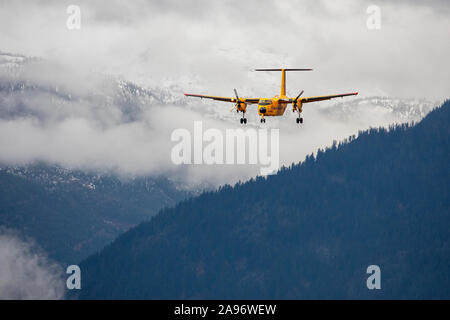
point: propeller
(294, 102)
(238, 102)
(296, 98)
(237, 98)
(235, 92)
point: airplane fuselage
(272, 107)
(277, 105)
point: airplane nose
(262, 110)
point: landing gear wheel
(245, 120)
(301, 120)
(298, 120)
(263, 120)
(242, 120)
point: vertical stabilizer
(283, 82)
(283, 77)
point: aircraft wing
(225, 99)
(320, 98)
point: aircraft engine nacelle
(297, 106)
(241, 107)
(262, 110)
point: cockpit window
(264, 102)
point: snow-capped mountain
(12, 62)
(399, 110)
(54, 177)
(106, 123)
(133, 99)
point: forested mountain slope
(308, 232)
(71, 213)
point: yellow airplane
(272, 106)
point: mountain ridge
(309, 231)
(73, 213)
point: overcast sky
(215, 43)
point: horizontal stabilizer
(283, 69)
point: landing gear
(243, 119)
(299, 119)
(263, 120)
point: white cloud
(93, 122)
(75, 118)
(26, 273)
(149, 41)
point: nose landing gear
(299, 120)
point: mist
(83, 120)
(26, 272)
(108, 96)
(212, 45)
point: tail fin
(283, 76)
(283, 70)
